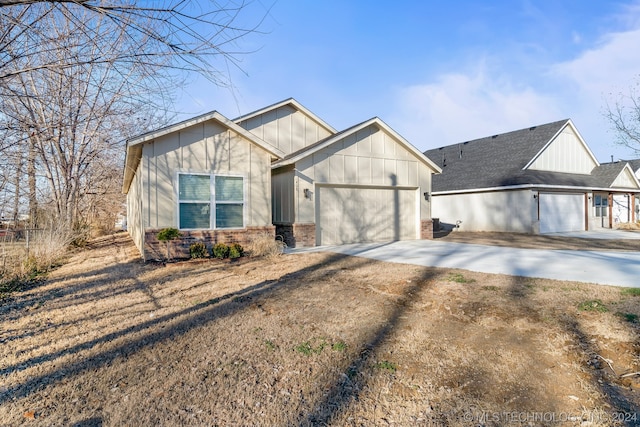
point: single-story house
(280, 170)
(536, 180)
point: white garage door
(351, 215)
(561, 212)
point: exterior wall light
(307, 193)
(426, 196)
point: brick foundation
(427, 226)
(155, 249)
(297, 235)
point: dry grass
(629, 226)
(264, 245)
(311, 339)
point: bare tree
(75, 117)
(79, 76)
(179, 34)
(624, 117)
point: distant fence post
(27, 237)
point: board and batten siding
(566, 153)
(624, 180)
(286, 128)
(203, 148)
(135, 210)
(368, 158)
(509, 211)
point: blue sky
(438, 72)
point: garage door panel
(561, 212)
(350, 215)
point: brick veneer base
(297, 235)
(155, 249)
(427, 226)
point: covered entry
(348, 214)
(561, 212)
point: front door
(601, 208)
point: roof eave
(296, 105)
(340, 136)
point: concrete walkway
(601, 267)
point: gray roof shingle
(499, 161)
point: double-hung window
(210, 201)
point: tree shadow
(146, 334)
(618, 401)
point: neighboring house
(280, 170)
(536, 180)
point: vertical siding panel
(364, 170)
(336, 169)
(377, 142)
(390, 172)
(389, 144)
(378, 172)
(321, 167)
(403, 172)
(350, 145)
(351, 169)
(193, 148)
(270, 125)
(239, 152)
(298, 132)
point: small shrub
(198, 250)
(264, 245)
(167, 234)
(270, 345)
(235, 250)
(220, 250)
(593, 305)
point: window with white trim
(210, 201)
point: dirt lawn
(312, 339)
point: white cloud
(456, 107)
(460, 107)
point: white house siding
(366, 158)
(286, 128)
(625, 180)
(566, 153)
(508, 211)
(204, 148)
(621, 209)
(134, 211)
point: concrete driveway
(601, 267)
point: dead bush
(628, 226)
(264, 245)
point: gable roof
(293, 103)
(134, 145)
(634, 164)
(323, 143)
(502, 161)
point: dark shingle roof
(494, 161)
(635, 164)
(499, 160)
